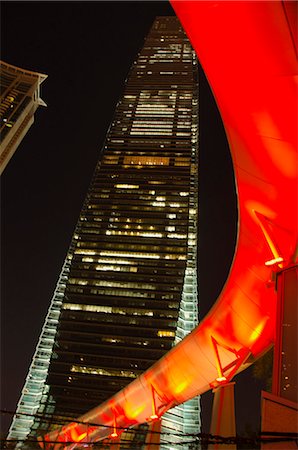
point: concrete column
(153, 435)
(223, 415)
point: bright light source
(154, 417)
(82, 436)
(271, 262)
(221, 379)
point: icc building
(127, 291)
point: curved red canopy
(248, 53)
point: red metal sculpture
(249, 55)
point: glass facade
(128, 289)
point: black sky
(86, 49)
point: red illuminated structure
(248, 53)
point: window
(146, 160)
(165, 333)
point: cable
(200, 438)
(203, 438)
(56, 420)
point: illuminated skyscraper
(128, 288)
(20, 98)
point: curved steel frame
(248, 52)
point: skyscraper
(20, 98)
(128, 288)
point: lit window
(107, 309)
(110, 159)
(84, 252)
(182, 162)
(165, 333)
(105, 372)
(182, 134)
(171, 228)
(176, 205)
(117, 141)
(146, 160)
(127, 186)
(90, 308)
(130, 254)
(158, 204)
(134, 233)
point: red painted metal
(248, 53)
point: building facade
(128, 288)
(20, 98)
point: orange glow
(75, 434)
(82, 436)
(258, 330)
(181, 387)
(132, 412)
(177, 380)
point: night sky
(86, 49)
